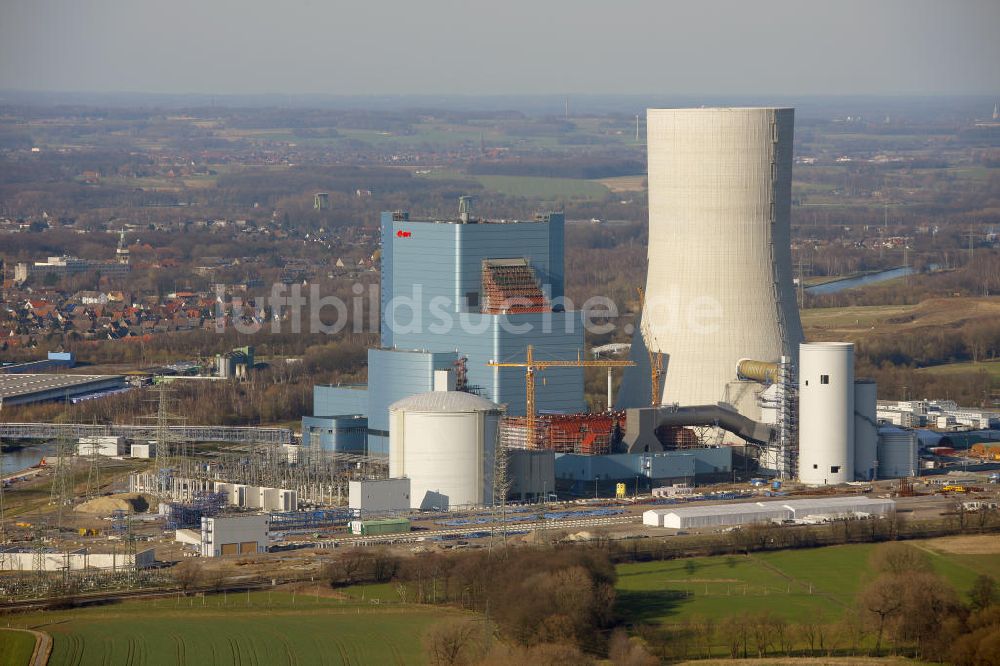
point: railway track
(478, 529)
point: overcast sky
(795, 47)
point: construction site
(486, 423)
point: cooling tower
(719, 282)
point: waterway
(838, 286)
(15, 461)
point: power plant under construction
(475, 394)
(717, 366)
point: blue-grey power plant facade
(456, 294)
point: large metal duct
(764, 372)
(641, 424)
(719, 283)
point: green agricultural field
(16, 647)
(544, 188)
(262, 628)
(792, 584)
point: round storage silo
(444, 442)
(826, 412)
(897, 453)
(865, 429)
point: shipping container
(379, 527)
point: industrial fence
(225, 434)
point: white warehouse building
(746, 513)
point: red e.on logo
(403, 234)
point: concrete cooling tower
(719, 283)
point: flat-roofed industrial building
(24, 389)
(746, 513)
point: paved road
(43, 646)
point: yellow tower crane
(531, 366)
(655, 357)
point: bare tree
(447, 643)
(882, 601)
(983, 592)
(187, 574)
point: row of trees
(562, 596)
(553, 604)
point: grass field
(261, 628)
(544, 188)
(854, 322)
(538, 187)
(624, 183)
(16, 647)
(991, 367)
(792, 584)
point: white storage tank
(826, 413)
(865, 430)
(897, 453)
(444, 442)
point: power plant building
(719, 283)
(457, 293)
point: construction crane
(532, 366)
(655, 357)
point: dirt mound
(130, 502)
(580, 536)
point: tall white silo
(826, 413)
(865, 430)
(445, 443)
(719, 281)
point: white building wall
(100, 445)
(75, 561)
(826, 413)
(141, 450)
(654, 517)
(719, 278)
(379, 495)
(219, 531)
(288, 500)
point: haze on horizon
(864, 47)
